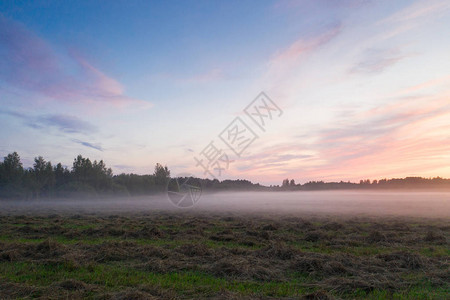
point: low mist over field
(377, 203)
(225, 149)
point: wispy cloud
(378, 60)
(390, 140)
(66, 123)
(416, 10)
(412, 16)
(89, 145)
(28, 62)
(442, 81)
(62, 122)
(409, 135)
(286, 70)
(287, 58)
(273, 160)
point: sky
(362, 88)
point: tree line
(382, 184)
(94, 178)
(90, 178)
(86, 177)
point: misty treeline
(395, 183)
(86, 177)
(93, 178)
(89, 178)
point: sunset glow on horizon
(364, 86)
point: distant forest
(93, 178)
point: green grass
(125, 271)
(115, 277)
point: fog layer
(424, 204)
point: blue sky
(363, 85)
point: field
(172, 255)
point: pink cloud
(302, 46)
(401, 139)
(28, 62)
(412, 16)
(377, 60)
(390, 144)
(417, 10)
(287, 58)
(432, 83)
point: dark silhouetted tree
(162, 175)
(43, 177)
(12, 169)
(62, 175)
(81, 169)
(11, 176)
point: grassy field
(188, 255)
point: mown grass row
(114, 277)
